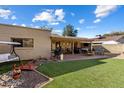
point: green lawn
(85, 73)
(7, 66)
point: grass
(96, 73)
(7, 66)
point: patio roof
(69, 38)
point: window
(25, 42)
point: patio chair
(99, 51)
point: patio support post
(91, 46)
(72, 47)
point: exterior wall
(114, 48)
(111, 48)
(42, 42)
(121, 40)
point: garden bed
(32, 79)
(29, 79)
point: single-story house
(39, 42)
(112, 44)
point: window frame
(22, 45)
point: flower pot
(16, 76)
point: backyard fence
(114, 48)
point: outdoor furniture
(90, 54)
(84, 50)
(27, 67)
(99, 51)
(9, 56)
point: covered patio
(71, 45)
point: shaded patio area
(71, 45)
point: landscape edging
(40, 85)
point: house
(34, 42)
(39, 42)
(112, 44)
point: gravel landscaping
(29, 79)
(32, 79)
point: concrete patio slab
(82, 57)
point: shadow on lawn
(56, 69)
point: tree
(115, 33)
(70, 31)
(45, 27)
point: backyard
(85, 73)
(92, 73)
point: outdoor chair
(99, 51)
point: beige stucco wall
(42, 42)
(114, 48)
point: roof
(55, 36)
(25, 27)
(110, 42)
(109, 38)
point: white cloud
(60, 14)
(73, 14)
(97, 21)
(104, 10)
(49, 10)
(5, 13)
(54, 23)
(23, 25)
(44, 16)
(51, 16)
(81, 21)
(13, 17)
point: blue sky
(90, 20)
